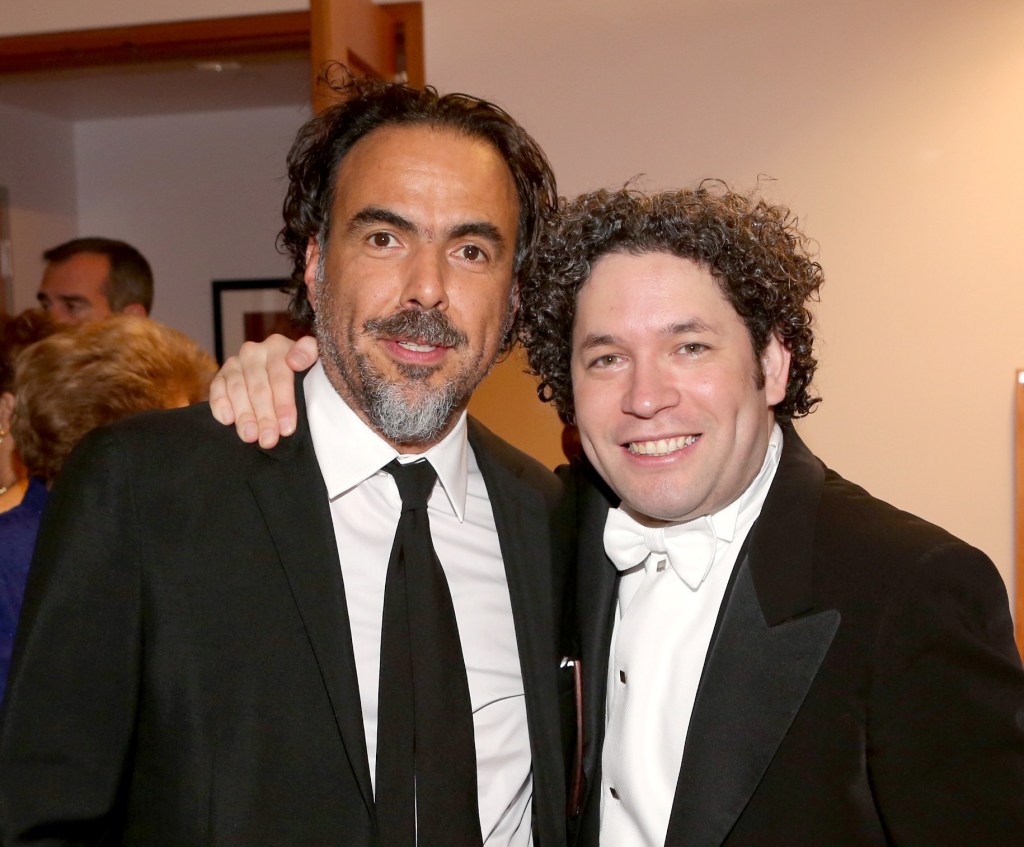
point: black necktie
(426, 757)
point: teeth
(416, 348)
(662, 446)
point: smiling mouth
(662, 446)
(417, 331)
(416, 347)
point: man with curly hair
(772, 656)
(228, 645)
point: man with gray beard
(229, 645)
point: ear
(136, 309)
(775, 365)
(515, 301)
(309, 276)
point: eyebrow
(593, 339)
(378, 215)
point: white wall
(37, 167)
(20, 17)
(200, 196)
(895, 128)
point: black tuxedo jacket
(184, 670)
(862, 686)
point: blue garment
(18, 529)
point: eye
(694, 348)
(382, 240)
(472, 253)
(605, 361)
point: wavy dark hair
(754, 250)
(368, 104)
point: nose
(426, 283)
(650, 390)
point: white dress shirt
(666, 615)
(365, 506)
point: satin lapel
(524, 535)
(766, 652)
(293, 499)
(597, 581)
(757, 678)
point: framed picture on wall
(249, 310)
(6, 256)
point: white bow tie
(689, 547)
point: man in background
(86, 279)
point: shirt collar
(349, 452)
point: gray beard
(409, 412)
(402, 419)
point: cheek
(595, 407)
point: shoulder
(170, 450)
(851, 517)
(913, 568)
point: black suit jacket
(862, 686)
(184, 670)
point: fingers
(255, 390)
(303, 353)
(220, 393)
(270, 388)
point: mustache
(433, 327)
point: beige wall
(893, 127)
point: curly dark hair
(368, 104)
(754, 250)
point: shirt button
(614, 793)
(661, 565)
(622, 677)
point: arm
(946, 714)
(255, 390)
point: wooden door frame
(213, 38)
(1019, 509)
(161, 42)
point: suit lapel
(292, 497)
(523, 524)
(596, 596)
(765, 654)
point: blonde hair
(74, 381)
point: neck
(12, 495)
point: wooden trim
(1019, 512)
(131, 45)
(362, 36)
(410, 17)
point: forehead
(435, 167)
(83, 271)
(652, 287)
